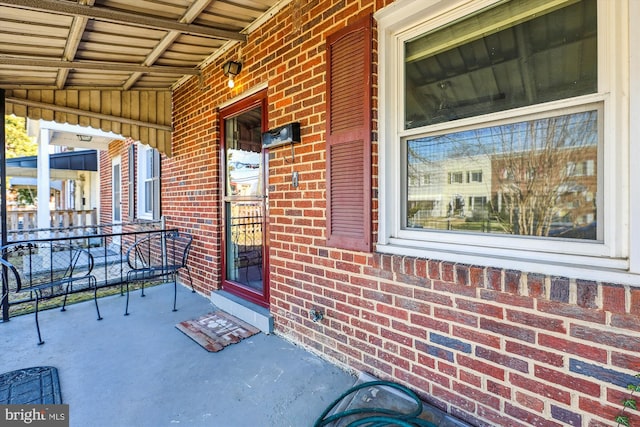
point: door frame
(251, 101)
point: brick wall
(491, 346)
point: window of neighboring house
(517, 95)
(475, 176)
(148, 182)
(455, 178)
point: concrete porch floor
(139, 370)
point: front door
(244, 164)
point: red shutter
(349, 137)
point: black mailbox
(287, 134)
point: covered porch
(142, 371)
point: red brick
(431, 375)
(572, 311)
(540, 388)
(535, 353)
(499, 388)
(592, 352)
(434, 270)
(494, 279)
(621, 341)
(432, 297)
(507, 330)
(474, 335)
(503, 360)
(569, 381)
(530, 402)
(613, 298)
(470, 378)
(535, 321)
(626, 361)
(528, 417)
(536, 285)
(510, 300)
(481, 308)
(447, 314)
(430, 323)
(481, 367)
(453, 399)
(476, 395)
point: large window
(513, 110)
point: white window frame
(617, 257)
(142, 179)
(116, 197)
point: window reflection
(498, 60)
(243, 145)
(536, 178)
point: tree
(542, 173)
(18, 144)
(17, 141)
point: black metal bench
(158, 256)
(37, 270)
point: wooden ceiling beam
(71, 47)
(96, 65)
(121, 17)
(189, 16)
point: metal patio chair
(38, 270)
(158, 256)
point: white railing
(21, 224)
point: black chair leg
(40, 341)
(175, 291)
(190, 279)
(64, 302)
(95, 299)
(126, 308)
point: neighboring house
(498, 326)
(130, 182)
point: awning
(85, 160)
(142, 115)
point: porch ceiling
(111, 64)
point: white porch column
(44, 186)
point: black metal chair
(42, 270)
(158, 256)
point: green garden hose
(376, 417)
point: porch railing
(107, 244)
(23, 224)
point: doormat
(215, 331)
(38, 385)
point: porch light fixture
(85, 138)
(231, 69)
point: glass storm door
(246, 268)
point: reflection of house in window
(583, 168)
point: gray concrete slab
(139, 370)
